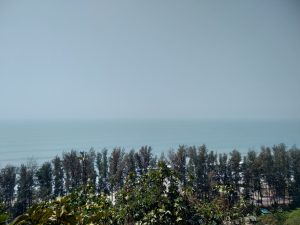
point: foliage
(153, 198)
(7, 185)
(76, 208)
(3, 215)
(58, 174)
(44, 178)
(25, 190)
(191, 186)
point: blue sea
(42, 140)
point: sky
(149, 59)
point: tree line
(273, 174)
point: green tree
(25, 190)
(73, 170)
(235, 168)
(295, 174)
(78, 207)
(88, 167)
(223, 173)
(281, 170)
(154, 199)
(129, 163)
(266, 161)
(116, 169)
(143, 159)
(7, 185)
(252, 173)
(212, 173)
(102, 166)
(178, 163)
(44, 180)
(58, 175)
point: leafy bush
(3, 215)
(155, 197)
(76, 208)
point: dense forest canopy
(190, 185)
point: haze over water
(42, 140)
(232, 65)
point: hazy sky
(149, 59)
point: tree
(266, 161)
(73, 170)
(198, 170)
(116, 169)
(212, 173)
(102, 166)
(88, 168)
(129, 163)
(44, 179)
(58, 175)
(234, 165)
(252, 173)
(25, 190)
(247, 177)
(7, 185)
(154, 198)
(223, 170)
(143, 159)
(178, 163)
(294, 157)
(76, 208)
(281, 170)
(202, 171)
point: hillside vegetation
(190, 186)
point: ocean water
(42, 140)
